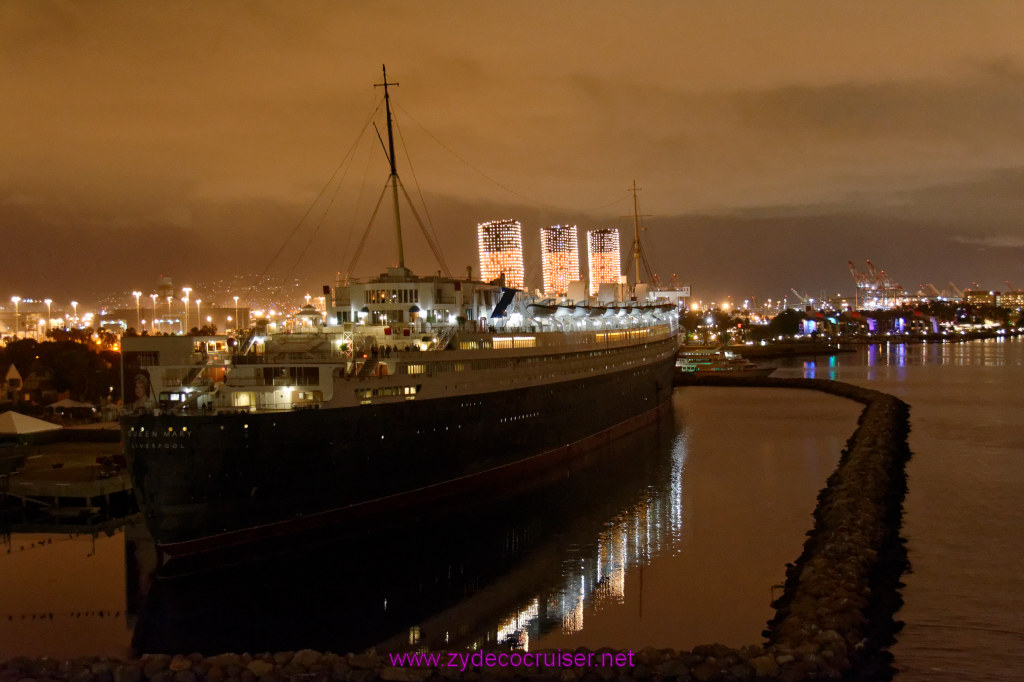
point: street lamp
(153, 325)
(236, 313)
(138, 311)
(199, 313)
(15, 300)
(74, 308)
(187, 290)
(49, 315)
(184, 324)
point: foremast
(394, 170)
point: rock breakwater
(834, 620)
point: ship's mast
(637, 251)
(636, 236)
(394, 170)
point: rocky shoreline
(834, 620)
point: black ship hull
(205, 483)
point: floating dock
(68, 479)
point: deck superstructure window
(295, 375)
(366, 395)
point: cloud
(993, 241)
(218, 124)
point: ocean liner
(404, 392)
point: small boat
(707, 362)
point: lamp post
(138, 311)
(236, 312)
(74, 308)
(153, 321)
(184, 323)
(15, 300)
(49, 315)
(199, 313)
(187, 290)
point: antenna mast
(394, 171)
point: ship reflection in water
(494, 575)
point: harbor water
(673, 537)
(964, 599)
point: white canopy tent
(17, 424)
(69, 403)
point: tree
(690, 321)
(77, 335)
(786, 323)
(87, 372)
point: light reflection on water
(63, 594)
(603, 531)
(887, 362)
(746, 468)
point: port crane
(873, 280)
(861, 279)
(871, 271)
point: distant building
(39, 384)
(1010, 299)
(10, 390)
(166, 289)
(972, 297)
(501, 251)
(560, 258)
(605, 259)
(676, 297)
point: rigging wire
(499, 184)
(430, 242)
(645, 244)
(627, 263)
(319, 224)
(366, 232)
(432, 232)
(355, 212)
(309, 210)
